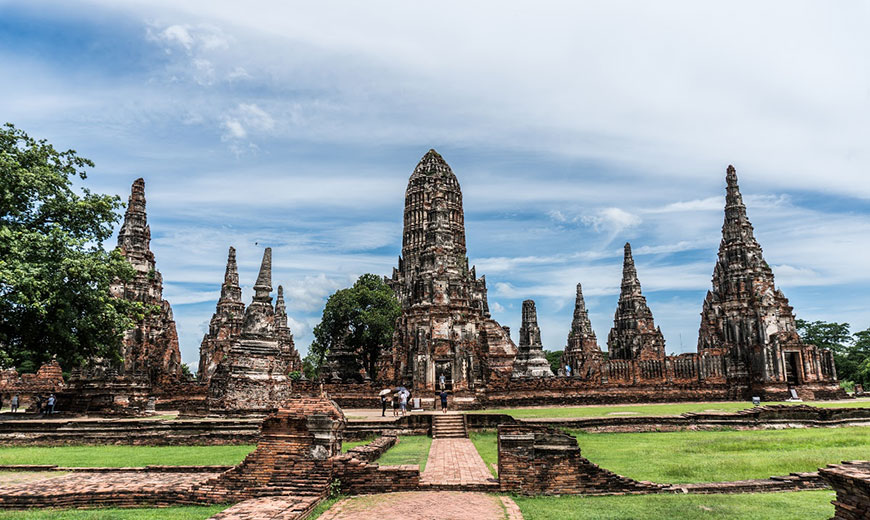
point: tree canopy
(851, 351)
(54, 272)
(363, 317)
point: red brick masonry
(851, 481)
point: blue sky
(571, 128)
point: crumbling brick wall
(47, 380)
(534, 460)
(851, 481)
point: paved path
(455, 462)
(427, 505)
(268, 508)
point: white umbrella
(384, 392)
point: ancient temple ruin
(151, 347)
(634, 334)
(747, 319)
(253, 374)
(445, 327)
(530, 360)
(582, 353)
(226, 323)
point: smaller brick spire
(263, 285)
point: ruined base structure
(253, 374)
(29, 387)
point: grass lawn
(413, 449)
(487, 446)
(711, 456)
(650, 409)
(124, 456)
(159, 513)
(349, 445)
(806, 505)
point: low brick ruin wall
(544, 461)
(761, 417)
(851, 481)
(151, 432)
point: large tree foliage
(54, 272)
(851, 351)
(362, 317)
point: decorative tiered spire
(634, 334)
(581, 338)
(280, 311)
(530, 361)
(263, 285)
(135, 235)
(230, 290)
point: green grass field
(164, 513)
(649, 409)
(124, 456)
(413, 449)
(806, 505)
(711, 456)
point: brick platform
(455, 463)
(273, 508)
(103, 488)
(425, 506)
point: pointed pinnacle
(263, 286)
(231, 275)
(579, 302)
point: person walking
(384, 405)
(443, 396)
(395, 405)
(14, 403)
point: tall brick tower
(748, 319)
(151, 347)
(226, 323)
(445, 328)
(582, 352)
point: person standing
(50, 404)
(395, 405)
(443, 396)
(442, 382)
(14, 403)
(384, 405)
(568, 370)
(403, 402)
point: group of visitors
(399, 399)
(44, 405)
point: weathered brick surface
(851, 481)
(544, 461)
(47, 380)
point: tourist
(443, 396)
(442, 382)
(568, 370)
(14, 403)
(49, 406)
(384, 405)
(403, 402)
(395, 405)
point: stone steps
(448, 426)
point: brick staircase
(448, 426)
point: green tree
(54, 271)
(554, 357)
(837, 338)
(363, 317)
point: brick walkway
(428, 505)
(271, 508)
(455, 462)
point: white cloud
(612, 220)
